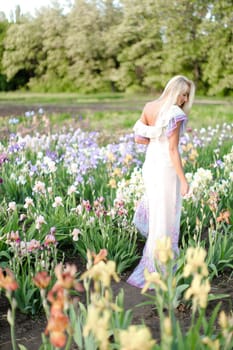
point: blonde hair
(175, 87)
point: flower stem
(68, 344)
(11, 320)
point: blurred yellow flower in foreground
(198, 291)
(167, 326)
(102, 273)
(153, 278)
(212, 344)
(223, 320)
(226, 324)
(195, 262)
(136, 338)
(105, 302)
(98, 324)
(163, 250)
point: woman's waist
(158, 154)
(155, 147)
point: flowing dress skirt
(164, 204)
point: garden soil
(29, 330)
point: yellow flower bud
(167, 326)
(163, 250)
(223, 320)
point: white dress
(161, 204)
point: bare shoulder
(151, 109)
(150, 105)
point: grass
(61, 98)
(73, 97)
(115, 113)
(204, 115)
(200, 116)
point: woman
(162, 122)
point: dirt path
(17, 109)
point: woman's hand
(184, 187)
(141, 139)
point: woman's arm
(141, 139)
(143, 117)
(144, 130)
(176, 159)
(138, 138)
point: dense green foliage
(126, 45)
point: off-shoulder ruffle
(164, 125)
(172, 125)
(144, 130)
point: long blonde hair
(176, 86)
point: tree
(22, 48)
(119, 45)
(3, 29)
(218, 43)
(111, 16)
(52, 64)
(139, 46)
(181, 25)
(90, 57)
(84, 46)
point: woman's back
(151, 112)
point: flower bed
(64, 195)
